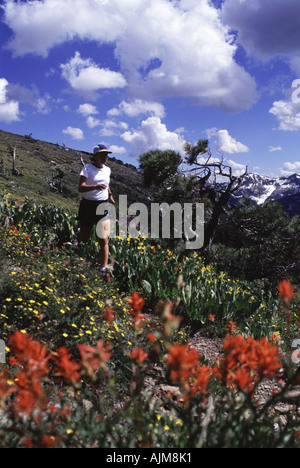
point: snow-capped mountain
(260, 189)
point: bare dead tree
(80, 158)
(214, 179)
(15, 171)
(56, 182)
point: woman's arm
(83, 187)
(110, 197)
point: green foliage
(193, 151)
(157, 166)
(258, 242)
(48, 225)
(57, 296)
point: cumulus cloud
(111, 128)
(138, 107)
(152, 134)
(265, 28)
(225, 143)
(9, 109)
(118, 149)
(92, 122)
(86, 77)
(290, 168)
(165, 49)
(237, 168)
(87, 109)
(74, 133)
(288, 115)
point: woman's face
(100, 158)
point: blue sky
(145, 74)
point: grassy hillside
(42, 164)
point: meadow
(91, 363)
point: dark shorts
(87, 212)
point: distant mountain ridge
(260, 189)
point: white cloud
(111, 128)
(42, 105)
(92, 122)
(9, 109)
(292, 167)
(87, 109)
(272, 149)
(151, 135)
(118, 149)
(138, 107)
(237, 168)
(287, 114)
(86, 77)
(204, 160)
(74, 133)
(165, 48)
(227, 144)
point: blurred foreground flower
(286, 291)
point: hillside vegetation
(50, 173)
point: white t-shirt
(95, 176)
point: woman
(94, 187)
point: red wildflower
(94, 358)
(186, 371)
(109, 314)
(30, 398)
(201, 377)
(66, 367)
(28, 354)
(286, 290)
(274, 338)
(246, 362)
(136, 303)
(46, 442)
(232, 328)
(267, 358)
(138, 355)
(151, 337)
(32, 358)
(182, 360)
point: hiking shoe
(106, 273)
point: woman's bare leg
(103, 234)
